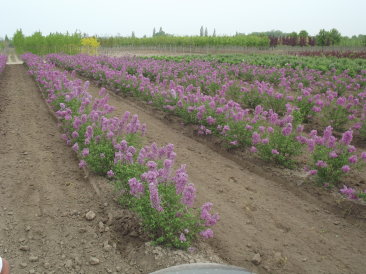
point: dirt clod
(90, 215)
(257, 259)
(94, 261)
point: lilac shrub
(332, 159)
(112, 146)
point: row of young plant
(3, 60)
(324, 64)
(273, 137)
(333, 53)
(113, 147)
(338, 100)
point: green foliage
(332, 173)
(353, 66)
(196, 41)
(52, 43)
(335, 115)
(286, 146)
(328, 38)
(165, 226)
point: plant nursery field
(134, 164)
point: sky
(181, 17)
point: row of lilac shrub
(3, 59)
(263, 109)
(113, 147)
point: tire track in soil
(43, 195)
(293, 233)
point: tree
(214, 33)
(206, 32)
(201, 31)
(327, 38)
(335, 36)
(154, 32)
(303, 41)
(322, 37)
(18, 40)
(160, 32)
(363, 40)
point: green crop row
(238, 40)
(324, 64)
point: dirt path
(13, 58)
(291, 230)
(43, 195)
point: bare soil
(44, 198)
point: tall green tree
(18, 40)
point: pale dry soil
(44, 199)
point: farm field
(217, 115)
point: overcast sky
(181, 17)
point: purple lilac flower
(346, 168)
(351, 149)
(353, 159)
(275, 152)
(333, 154)
(209, 219)
(286, 131)
(327, 133)
(341, 101)
(363, 155)
(321, 164)
(182, 237)
(151, 165)
(82, 164)
(136, 188)
(110, 173)
(210, 120)
(313, 172)
(347, 137)
(180, 179)
(75, 147)
(349, 192)
(300, 128)
(311, 144)
(208, 233)
(253, 149)
(256, 138)
(85, 152)
(189, 195)
(74, 134)
(154, 197)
